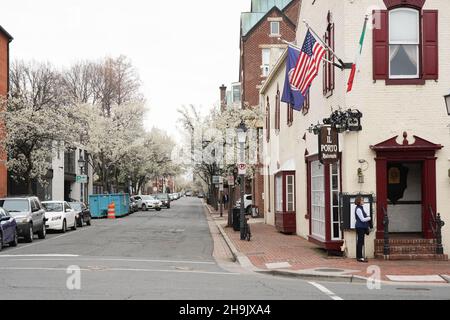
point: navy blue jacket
(359, 223)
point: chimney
(223, 98)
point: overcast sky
(183, 50)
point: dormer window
(274, 28)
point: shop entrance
(404, 197)
(406, 185)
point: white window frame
(265, 65)
(416, 76)
(316, 221)
(272, 23)
(332, 206)
(279, 193)
(287, 193)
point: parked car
(200, 195)
(133, 205)
(165, 199)
(8, 229)
(29, 215)
(188, 194)
(248, 203)
(83, 213)
(148, 202)
(60, 216)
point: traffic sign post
(242, 168)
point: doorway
(404, 197)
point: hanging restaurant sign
(328, 145)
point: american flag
(308, 63)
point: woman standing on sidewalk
(362, 228)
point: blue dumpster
(98, 204)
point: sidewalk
(276, 253)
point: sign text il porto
(328, 145)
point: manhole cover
(329, 270)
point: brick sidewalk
(271, 247)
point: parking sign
(242, 168)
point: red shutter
(381, 46)
(430, 63)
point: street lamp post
(81, 164)
(242, 137)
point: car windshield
(15, 206)
(147, 198)
(162, 196)
(76, 206)
(53, 206)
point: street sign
(216, 180)
(82, 179)
(242, 168)
(221, 187)
(231, 181)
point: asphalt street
(164, 255)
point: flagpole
(326, 45)
(299, 49)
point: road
(164, 255)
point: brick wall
(4, 43)
(251, 77)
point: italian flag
(358, 55)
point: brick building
(261, 28)
(5, 39)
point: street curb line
(306, 275)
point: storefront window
(290, 193)
(317, 200)
(335, 190)
(279, 193)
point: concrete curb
(315, 276)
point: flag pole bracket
(347, 65)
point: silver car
(29, 214)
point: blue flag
(292, 95)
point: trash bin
(236, 219)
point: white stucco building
(401, 157)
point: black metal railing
(387, 247)
(436, 224)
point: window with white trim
(274, 28)
(404, 42)
(290, 203)
(334, 194)
(265, 67)
(318, 200)
(279, 193)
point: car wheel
(144, 207)
(64, 226)
(15, 241)
(88, 222)
(249, 210)
(158, 209)
(74, 224)
(1, 241)
(29, 236)
(43, 232)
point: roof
(258, 10)
(10, 38)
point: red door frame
(285, 221)
(421, 151)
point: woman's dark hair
(358, 201)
